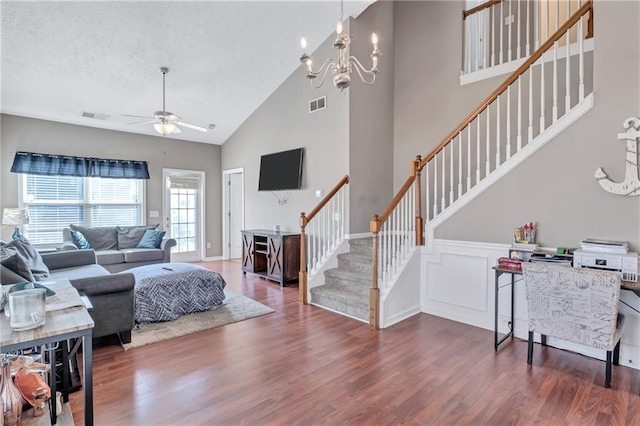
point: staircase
(546, 94)
(346, 288)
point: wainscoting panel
(403, 300)
(458, 283)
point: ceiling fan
(165, 122)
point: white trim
(356, 236)
(214, 258)
(340, 313)
(225, 205)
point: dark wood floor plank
(303, 365)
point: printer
(625, 263)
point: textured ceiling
(225, 58)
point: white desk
(60, 326)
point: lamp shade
(15, 216)
(164, 128)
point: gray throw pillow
(23, 248)
(151, 239)
(14, 269)
(99, 238)
(130, 236)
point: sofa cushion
(151, 239)
(23, 248)
(143, 255)
(14, 269)
(130, 236)
(109, 257)
(99, 238)
(79, 240)
(78, 272)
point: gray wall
(27, 134)
(354, 135)
(429, 101)
(371, 119)
(283, 122)
(556, 186)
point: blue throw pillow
(79, 240)
(151, 239)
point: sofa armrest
(68, 245)
(105, 284)
(166, 245)
(69, 258)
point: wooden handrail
(586, 7)
(392, 205)
(307, 218)
(477, 9)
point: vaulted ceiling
(63, 59)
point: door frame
(226, 231)
(201, 211)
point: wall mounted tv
(281, 170)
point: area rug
(236, 308)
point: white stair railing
(498, 32)
(321, 232)
(547, 86)
(528, 99)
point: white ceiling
(225, 58)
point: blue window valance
(65, 165)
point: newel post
(419, 220)
(374, 293)
(302, 276)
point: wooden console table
(272, 255)
(61, 325)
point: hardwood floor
(304, 365)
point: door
(274, 257)
(233, 212)
(247, 252)
(183, 213)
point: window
(54, 202)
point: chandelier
(345, 64)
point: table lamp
(15, 216)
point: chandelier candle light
(345, 64)
(15, 216)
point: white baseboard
(211, 259)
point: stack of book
(604, 246)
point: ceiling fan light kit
(165, 122)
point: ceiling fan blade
(136, 116)
(191, 126)
(177, 130)
(142, 122)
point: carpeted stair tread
(351, 275)
(341, 300)
(356, 262)
(362, 246)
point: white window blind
(55, 202)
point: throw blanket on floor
(164, 292)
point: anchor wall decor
(631, 184)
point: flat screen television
(281, 170)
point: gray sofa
(112, 296)
(115, 246)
